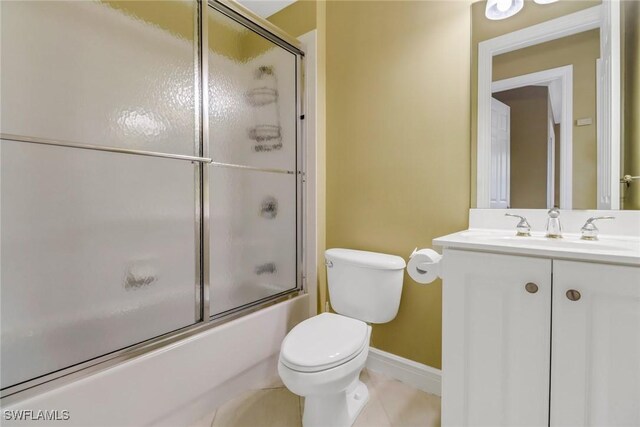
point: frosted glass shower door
(96, 256)
(253, 184)
(99, 249)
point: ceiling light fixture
(502, 9)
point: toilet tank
(364, 285)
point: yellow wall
(397, 128)
(297, 19)
(581, 51)
(528, 160)
(226, 37)
(176, 16)
(398, 144)
(484, 29)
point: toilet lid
(322, 342)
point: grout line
(300, 409)
(374, 385)
(386, 414)
(214, 418)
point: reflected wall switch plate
(584, 122)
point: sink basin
(607, 249)
(568, 241)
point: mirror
(556, 97)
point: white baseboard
(422, 377)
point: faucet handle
(589, 230)
(523, 227)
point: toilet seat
(323, 342)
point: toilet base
(336, 410)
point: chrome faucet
(523, 227)
(589, 230)
(554, 229)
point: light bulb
(504, 5)
(502, 9)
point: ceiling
(265, 8)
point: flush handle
(573, 295)
(531, 287)
(328, 263)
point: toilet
(322, 357)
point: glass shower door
(150, 176)
(99, 249)
(253, 183)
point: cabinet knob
(532, 288)
(573, 295)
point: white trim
(603, 194)
(311, 220)
(422, 377)
(551, 152)
(608, 181)
(614, 115)
(564, 26)
(546, 78)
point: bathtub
(175, 385)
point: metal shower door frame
(202, 161)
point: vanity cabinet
(536, 341)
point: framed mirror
(556, 97)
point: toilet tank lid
(373, 260)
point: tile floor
(391, 404)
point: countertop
(608, 249)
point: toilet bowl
(327, 371)
(322, 357)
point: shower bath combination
(130, 208)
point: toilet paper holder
(424, 265)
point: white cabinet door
(595, 367)
(496, 336)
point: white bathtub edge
(179, 384)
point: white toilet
(321, 358)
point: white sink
(606, 249)
(567, 241)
